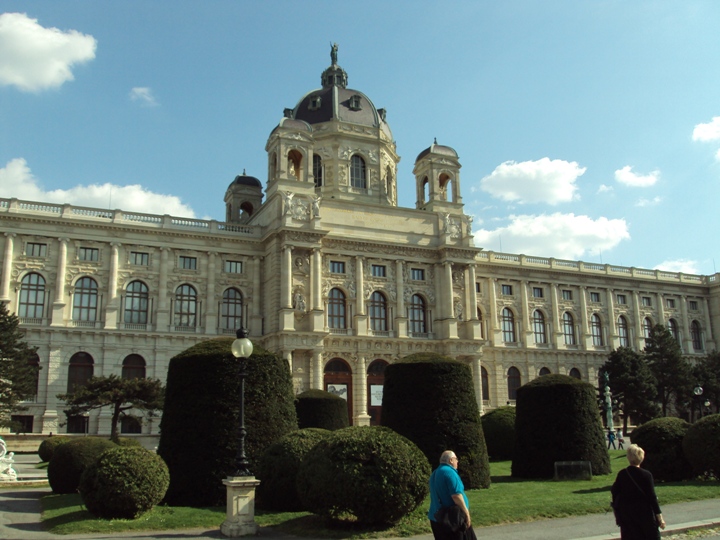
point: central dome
(334, 101)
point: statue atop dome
(333, 53)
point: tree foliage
(631, 377)
(115, 392)
(18, 378)
(672, 372)
(706, 373)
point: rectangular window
(337, 267)
(506, 290)
(188, 263)
(646, 301)
(477, 287)
(567, 294)
(671, 303)
(33, 249)
(595, 297)
(417, 274)
(378, 270)
(233, 267)
(537, 292)
(139, 258)
(89, 254)
(621, 299)
(693, 305)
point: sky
(586, 130)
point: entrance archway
(375, 381)
(338, 381)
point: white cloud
(686, 266)
(34, 58)
(17, 181)
(542, 181)
(143, 95)
(563, 236)
(605, 189)
(629, 178)
(707, 132)
(648, 202)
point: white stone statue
(7, 473)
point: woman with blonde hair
(636, 507)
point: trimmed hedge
(199, 426)
(124, 482)
(662, 440)
(499, 429)
(430, 399)
(278, 468)
(701, 446)
(370, 472)
(71, 459)
(320, 409)
(557, 419)
(48, 446)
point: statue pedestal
(240, 517)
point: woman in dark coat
(636, 506)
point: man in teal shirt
(446, 490)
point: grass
(506, 501)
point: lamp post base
(240, 509)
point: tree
(18, 377)
(706, 373)
(631, 377)
(672, 372)
(120, 394)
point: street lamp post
(240, 507)
(697, 397)
(242, 348)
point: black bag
(451, 517)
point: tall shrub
(662, 440)
(557, 419)
(199, 427)
(71, 459)
(499, 429)
(701, 445)
(320, 409)
(430, 399)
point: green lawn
(508, 500)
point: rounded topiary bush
(557, 419)
(128, 441)
(499, 429)
(320, 409)
(71, 459)
(430, 399)
(48, 446)
(370, 472)
(662, 440)
(278, 468)
(124, 482)
(199, 426)
(701, 446)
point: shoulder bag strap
(636, 484)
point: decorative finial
(244, 172)
(333, 53)
(434, 140)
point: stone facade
(329, 272)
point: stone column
(686, 338)
(288, 356)
(316, 304)
(56, 384)
(709, 340)
(58, 314)
(493, 318)
(7, 267)
(163, 311)
(211, 306)
(660, 309)
(612, 331)
(287, 313)
(477, 381)
(584, 333)
(525, 335)
(112, 308)
(557, 335)
(255, 324)
(471, 308)
(316, 371)
(362, 418)
(639, 334)
(401, 327)
(447, 299)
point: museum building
(322, 266)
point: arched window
(377, 307)
(647, 326)
(513, 382)
(358, 177)
(696, 336)
(231, 309)
(569, 329)
(294, 164)
(336, 309)
(136, 303)
(446, 187)
(417, 314)
(85, 300)
(485, 384)
(32, 297)
(133, 367)
(545, 371)
(575, 373)
(185, 306)
(539, 327)
(596, 330)
(623, 335)
(508, 325)
(318, 170)
(425, 189)
(673, 328)
(80, 370)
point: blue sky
(586, 130)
